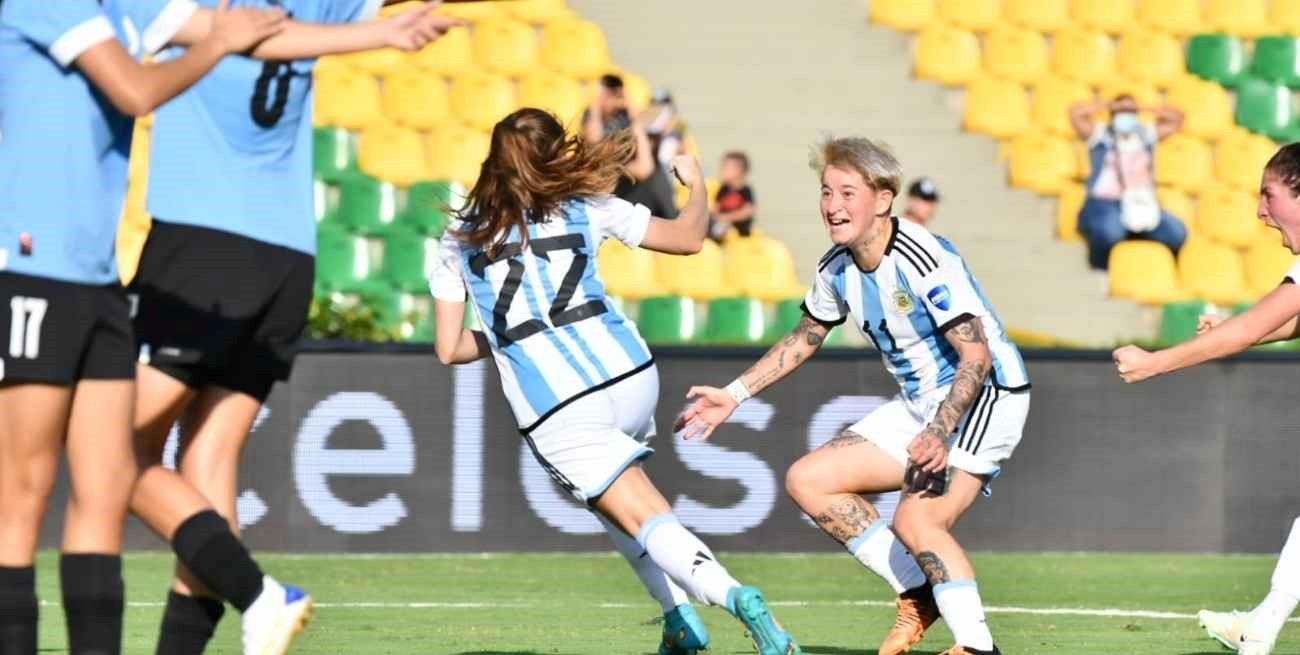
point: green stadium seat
(368, 206)
(408, 260)
(667, 320)
(399, 312)
(1276, 60)
(1178, 321)
(325, 198)
(344, 262)
(334, 153)
(735, 322)
(427, 204)
(1264, 107)
(1217, 57)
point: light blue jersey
(233, 153)
(554, 333)
(63, 146)
(920, 290)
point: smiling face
(850, 207)
(1279, 208)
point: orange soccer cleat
(917, 611)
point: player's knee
(912, 524)
(26, 491)
(802, 483)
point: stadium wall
(387, 451)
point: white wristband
(738, 391)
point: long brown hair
(532, 168)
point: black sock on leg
(93, 601)
(18, 610)
(207, 547)
(188, 624)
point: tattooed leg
(846, 517)
(935, 572)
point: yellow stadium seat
(1144, 271)
(449, 55)
(1184, 162)
(1152, 57)
(1051, 101)
(558, 94)
(575, 47)
(974, 15)
(1038, 15)
(1177, 17)
(392, 154)
(456, 153)
(1083, 55)
(350, 100)
(901, 15)
(480, 99)
(1206, 106)
(628, 273)
(1266, 265)
(1144, 92)
(1109, 16)
(1284, 16)
(637, 91)
(505, 46)
(1068, 204)
(1018, 54)
(416, 99)
(1245, 18)
(1212, 272)
(1178, 203)
(1228, 216)
(539, 11)
(946, 55)
(761, 267)
(698, 277)
(473, 11)
(996, 107)
(376, 62)
(1239, 159)
(1042, 162)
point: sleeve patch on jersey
(940, 297)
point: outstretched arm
(453, 343)
(929, 450)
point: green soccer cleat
(1236, 631)
(747, 604)
(684, 632)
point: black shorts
(220, 309)
(62, 332)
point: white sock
(879, 549)
(959, 603)
(686, 559)
(1285, 594)
(657, 583)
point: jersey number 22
(560, 313)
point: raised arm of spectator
(1081, 117)
(683, 235)
(593, 123)
(1169, 119)
(643, 165)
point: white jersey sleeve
(618, 218)
(64, 28)
(1293, 275)
(447, 281)
(159, 20)
(948, 293)
(823, 302)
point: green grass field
(592, 604)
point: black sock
(93, 600)
(207, 547)
(18, 610)
(188, 624)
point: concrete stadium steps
(772, 77)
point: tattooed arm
(929, 450)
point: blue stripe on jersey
(998, 365)
(538, 394)
(923, 323)
(543, 273)
(533, 306)
(593, 287)
(875, 311)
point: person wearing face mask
(1121, 202)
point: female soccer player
(581, 382)
(965, 396)
(1276, 317)
(224, 283)
(70, 85)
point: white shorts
(588, 443)
(986, 437)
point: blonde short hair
(871, 159)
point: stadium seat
(735, 322)
(428, 204)
(1277, 59)
(1178, 321)
(946, 55)
(1051, 101)
(456, 153)
(449, 55)
(1145, 272)
(636, 89)
(538, 12)
(628, 272)
(376, 63)
(1177, 17)
(1145, 93)
(1019, 54)
(1264, 107)
(1178, 203)
(350, 100)
(368, 206)
(1152, 57)
(1184, 162)
(1068, 204)
(575, 47)
(787, 315)
(1039, 15)
(1244, 18)
(761, 267)
(974, 15)
(996, 107)
(1217, 58)
(416, 99)
(902, 15)
(334, 153)
(1042, 162)
(480, 99)
(393, 154)
(409, 259)
(343, 262)
(1084, 55)
(474, 12)
(1284, 16)
(1212, 272)
(558, 94)
(667, 320)
(325, 201)
(699, 276)
(1206, 106)
(1239, 160)
(1266, 264)
(1228, 216)
(505, 46)
(1109, 16)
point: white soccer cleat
(1236, 631)
(273, 620)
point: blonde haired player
(1276, 317)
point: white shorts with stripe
(986, 437)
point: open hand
(242, 28)
(710, 408)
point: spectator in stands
(645, 182)
(735, 200)
(664, 129)
(1121, 202)
(922, 201)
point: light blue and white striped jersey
(920, 290)
(233, 153)
(555, 335)
(63, 146)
